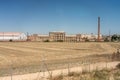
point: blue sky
(71, 16)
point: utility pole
(109, 33)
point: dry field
(25, 57)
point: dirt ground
(26, 57)
(64, 72)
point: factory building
(61, 36)
(43, 38)
(70, 38)
(90, 37)
(57, 36)
(78, 38)
(12, 36)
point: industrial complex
(61, 36)
(54, 36)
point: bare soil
(27, 57)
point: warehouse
(12, 36)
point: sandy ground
(45, 75)
(31, 52)
(26, 57)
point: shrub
(73, 74)
(118, 66)
(106, 40)
(46, 41)
(59, 40)
(10, 40)
(117, 75)
(101, 75)
(87, 40)
(60, 77)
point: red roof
(10, 33)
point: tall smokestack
(98, 28)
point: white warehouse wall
(21, 36)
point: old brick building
(57, 36)
(61, 36)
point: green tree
(115, 37)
